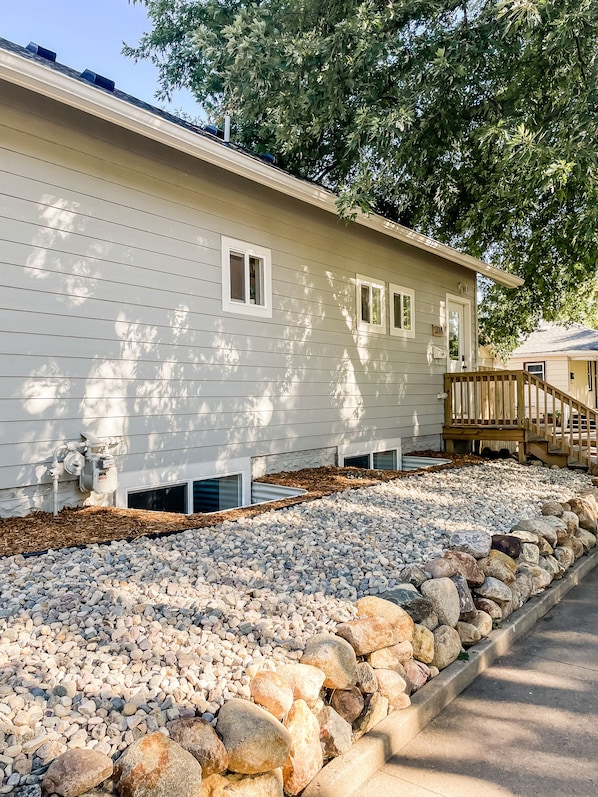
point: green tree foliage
(474, 122)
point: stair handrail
(557, 425)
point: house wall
(111, 318)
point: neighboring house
(202, 307)
(565, 356)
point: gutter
(97, 102)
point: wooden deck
(517, 407)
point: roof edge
(42, 79)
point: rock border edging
(346, 773)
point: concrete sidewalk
(526, 727)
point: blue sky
(88, 34)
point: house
(565, 356)
(180, 316)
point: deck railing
(519, 400)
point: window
(193, 487)
(213, 495)
(370, 305)
(161, 499)
(402, 309)
(373, 454)
(246, 278)
(537, 369)
(359, 461)
(384, 460)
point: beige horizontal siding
(111, 320)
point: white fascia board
(101, 104)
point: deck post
(521, 452)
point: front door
(459, 334)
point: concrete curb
(345, 774)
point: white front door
(459, 334)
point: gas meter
(99, 474)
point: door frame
(468, 341)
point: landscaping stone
(469, 634)
(447, 646)
(399, 619)
(255, 741)
(440, 568)
(476, 543)
(305, 757)
(76, 772)
(197, 736)
(506, 543)
(495, 590)
(393, 687)
(467, 566)
(417, 674)
(389, 658)
(155, 766)
(376, 709)
(423, 644)
(268, 784)
(335, 732)
(272, 692)
(366, 678)
(464, 595)
(411, 600)
(348, 703)
(335, 657)
(442, 594)
(367, 634)
(305, 680)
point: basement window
(246, 278)
(374, 460)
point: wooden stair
(515, 406)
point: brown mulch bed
(42, 531)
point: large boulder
(442, 594)
(77, 771)
(367, 634)
(447, 646)
(467, 566)
(476, 543)
(255, 740)
(230, 785)
(335, 733)
(271, 691)
(197, 736)
(155, 766)
(389, 658)
(394, 688)
(335, 657)
(423, 644)
(411, 600)
(400, 620)
(305, 757)
(305, 680)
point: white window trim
(535, 373)
(364, 326)
(155, 478)
(393, 290)
(229, 245)
(370, 447)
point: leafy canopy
(473, 122)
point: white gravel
(100, 645)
